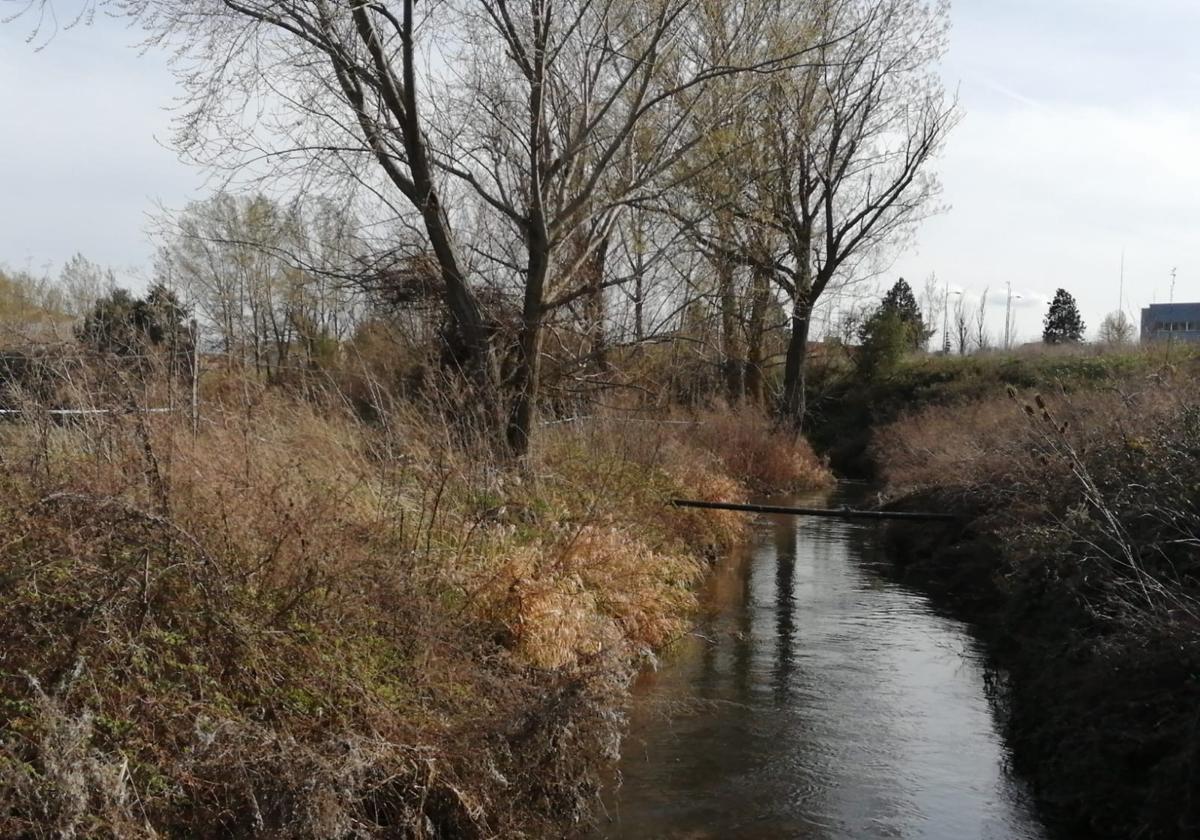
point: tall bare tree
(836, 165)
(855, 136)
(1116, 329)
(961, 318)
(983, 341)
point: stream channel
(817, 698)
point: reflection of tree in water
(809, 735)
(785, 536)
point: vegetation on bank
(1081, 562)
(288, 620)
(850, 402)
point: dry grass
(987, 444)
(301, 624)
(747, 446)
(1093, 498)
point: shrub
(751, 449)
(1094, 500)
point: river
(817, 699)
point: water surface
(817, 699)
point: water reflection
(818, 700)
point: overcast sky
(1081, 138)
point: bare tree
(265, 279)
(839, 160)
(961, 322)
(337, 94)
(871, 118)
(983, 340)
(1116, 329)
(933, 300)
(81, 283)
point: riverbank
(1078, 559)
(293, 622)
(848, 406)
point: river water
(817, 699)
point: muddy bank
(1103, 716)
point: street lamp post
(945, 313)
(1008, 316)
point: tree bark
(756, 337)
(527, 375)
(733, 365)
(732, 362)
(594, 266)
(793, 405)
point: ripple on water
(823, 701)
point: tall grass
(288, 620)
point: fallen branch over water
(841, 513)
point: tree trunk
(732, 362)
(793, 406)
(756, 337)
(594, 266)
(472, 348)
(527, 374)
(639, 330)
(639, 285)
(471, 335)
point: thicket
(850, 403)
(1083, 562)
(288, 619)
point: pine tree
(898, 305)
(1063, 324)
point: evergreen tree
(899, 306)
(124, 325)
(1063, 324)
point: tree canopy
(124, 325)
(1063, 323)
(1116, 329)
(898, 309)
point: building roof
(1169, 310)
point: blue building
(1171, 322)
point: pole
(945, 321)
(1121, 293)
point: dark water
(817, 700)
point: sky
(1078, 143)
(1080, 140)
